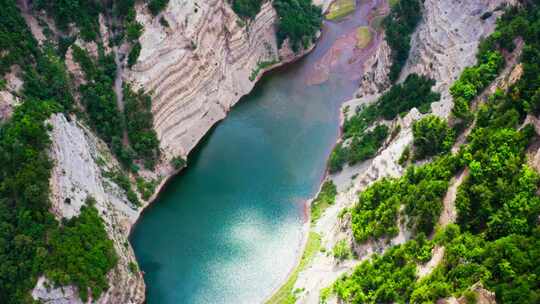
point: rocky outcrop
(446, 42)
(200, 66)
(377, 67)
(481, 295)
(8, 94)
(80, 162)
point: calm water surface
(228, 228)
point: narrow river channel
(229, 228)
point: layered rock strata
(200, 66)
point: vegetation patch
(415, 91)
(387, 278)
(299, 21)
(340, 9)
(432, 136)
(156, 6)
(247, 9)
(285, 293)
(363, 37)
(140, 126)
(342, 250)
(82, 13)
(81, 253)
(399, 25)
(420, 191)
(261, 66)
(325, 199)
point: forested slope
(495, 239)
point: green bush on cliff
(81, 253)
(432, 136)
(420, 191)
(83, 13)
(17, 45)
(299, 21)
(386, 278)
(140, 126)
(156, 6)
(246, 8)
(399, 26)
(415, 91)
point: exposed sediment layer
(200, 66)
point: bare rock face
(8, 97)
(200, 66)
(80, 159)
(377, 67)
(446, 42)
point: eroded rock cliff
(201, 65)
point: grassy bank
(285, 293)
(340, 8)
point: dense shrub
(415, 91)
(337, 158)
(156, 6)
(246, 8)
(367, 145)
(17, 45)
(83, 13)
(472, 81)
(420, 190)
(139, 123)
(432, 136)
(387, 278)
(399, 26)
(24, 199)
(376, 214)
(98, 95)
(299, 21)
(134, 54)
(342, 250)
(81, 253)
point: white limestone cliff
(200, 66)
(80, 163)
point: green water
(228, 229)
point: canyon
(209, 65)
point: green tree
(432, 136)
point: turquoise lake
(228, 229)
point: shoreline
(307, 227)
(171, 174)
